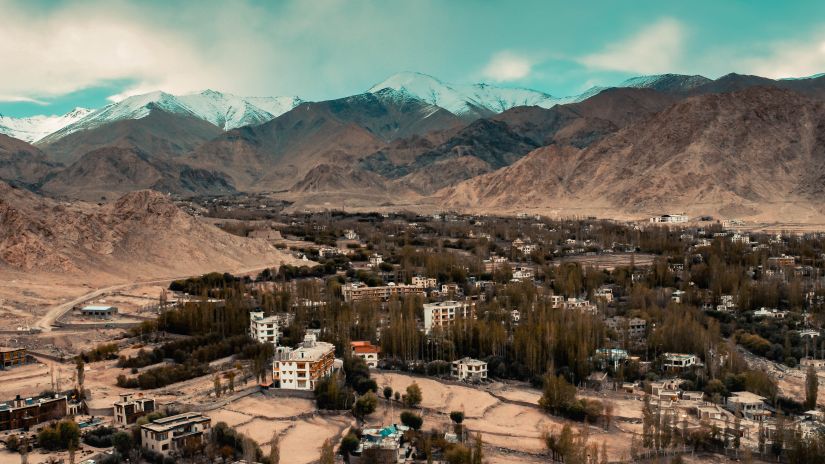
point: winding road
(55, 312)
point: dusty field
(260, 417)
(512, 432)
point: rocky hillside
(755, 152)
(141, 234)
(23, 163)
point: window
(165, 446)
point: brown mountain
(275, 155)
(759, 152)
(160, 134)
(141, 234)
(23, 163)
(111, 172)
(489, 144)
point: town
(403, 337)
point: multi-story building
(781, 261)
(172, 434)
(634, 327)
(604, 293)
(425, 282)
(679, 361)
(366, 351)
(495, 263)
(11, 357)
(750, 405)
(376, 260)
(358, 292)
(301, 368)
(469, 369)
(129, 409)
(264, 329)
(24, 413)
(670, 218)
(445, 313)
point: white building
(469, 369)
(522, 273)
(604, 293)
(264, 329)
(765, 312)
(750, 405)
(376, 260)
(677, 296)
(445, 313)
(670, 218)
(350, 235)
(679, 360)
(172, 434)
(366, 351)
(301, 368)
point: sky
(56, 55)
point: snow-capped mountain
(463, 100)
(666, 82)
(34, 128)
(224, 110)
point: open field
(609, 261)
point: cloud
(243, 47)
(785, 58)
(657, 48)
(507, 66)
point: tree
(558, 394)
(81, 374)
(348, 444)
(811, 388)
(122, 442)
(647, 424)
(412, 420)
(478, 447)
(327, 453)
(275, 449)
(364, 406)
(458, 417)
(217, 384)
(387, 392)
(413, 396)
(231, 376)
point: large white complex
(669, 218)
(302, 367)
(444, 313)
(358, 292)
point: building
(495, 263)
(301, 368)
(597, 380)
(677, 296)
(670, 218)
(170, 435)
(98, 312)
(604, 293)
(129, 409)
(679, 360)
(634, 327)
(358, 292)
(350, 234)
(25, 413)
(425, 282)
(11, 357)
(376, 260)
(469, 369)
(445, 313)
(765, 312)
(606, 356)
(383, 445)
(264, 329)
(522, 273)
(366, 351)
(781, 261)
(750, 405)
(580, 304)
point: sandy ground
(511, 432)
(610, 261)
(260, 417)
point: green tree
(412, 420)
(558, 394)
(364, 406)
(348, 444)
(387, 392)
(413, 396)
(122, 442)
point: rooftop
(171, 422)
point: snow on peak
(665, 82)
(34, 128)
(224, 110)
(462, 99)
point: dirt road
(55, 312)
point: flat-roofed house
(469, 369)
(750, 405)
(24, 413)
(98, 311)
(170, 435)
(445, 313)
(301, 368)
(130, 408)
(679, 361)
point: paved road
(55, 312)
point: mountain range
(734, 146)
